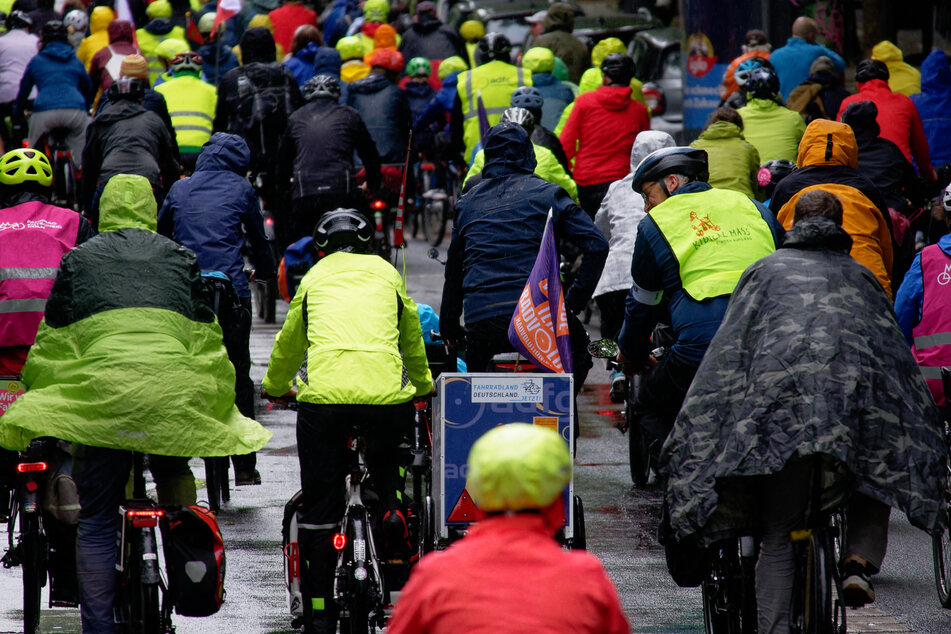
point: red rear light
(378, 205)
(269, 221)
(144, 513)
(24, 467)
(340, 541)
(427, 167)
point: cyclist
(136, 67)
(191, 104)
(63, 91)
(382, 105)
(673, 263)
(418, 91)
(772, 128)
(495, 239)
(430, 38)
(76, 21)
(128, 358)
(791, 386)
(17, 48)
(735, 162)
(105, 66)
(206, 213)
(317, 156)
(98, 38)
(358, 335)
(517, 578)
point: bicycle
(65, 180)
(941, 539)
(728, 591)
(142, 600)
(437, 203)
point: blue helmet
(671, 160)
(527, 97)
(742, 73)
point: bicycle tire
(356, 622)
(212, 484)
(427, 526)
(150, 609)
(721, 594)
(640, 458)
(823, 617)
(941, 548)
(69, 184)
(579, 539)
(34, 570)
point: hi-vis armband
(650, 298)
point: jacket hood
(828, 142)
(543, 79)
(935, 73)
(100, 18)
(60, 51)
(308, 53)
(590, 81)
(372, 83)
(560, 17)
(327, 61)
(508, 149)
(614, 97)
(646, 142)
(885, 51)
(721, 130)
(159, 26)
(127, 202)
(427, 24)
(224, 152)
(873, 85)
(119, 110)
(119, 31)
(818, 233)
(862, 118)
(257, 45)
(418, 89)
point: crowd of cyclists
(181, 125)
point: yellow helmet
(159, 9)
(376, 11)
(471, 30)
(516, 467)
(454, 64)
(350, 48)
(539, 60)
(25, 165)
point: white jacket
(17, 48)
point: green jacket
(772, 129)
(129, 355)
(546, 166)
(733, 162)
(357, 334)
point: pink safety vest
(932, 336)
(34, 236)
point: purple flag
(539, 327)
(483, 117)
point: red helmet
(387, 58)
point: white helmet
(76, 19)
(947, 198)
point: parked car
(498, 16)
(657, 62)
(624, 26)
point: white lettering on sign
(506, 390)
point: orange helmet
(386, 58)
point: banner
(539, 327)
(226, 9)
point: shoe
(396, 534)
(247, 479)
(857, 587)
(618, 392)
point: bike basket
(195, 558)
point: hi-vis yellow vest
(495, 81)
(714, 235)
(191, 105)
(148, 43)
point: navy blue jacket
(655, 268)
(206, 212)
(60, 78)
(385, 110)
(498, 230)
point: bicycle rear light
(340, 541)
(24, 467)
(145, 513)
(378, 205)
(269, 221)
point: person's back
(559, 23)
(793, 60)
(105, 65)
(385, 111)
(820, 96)
(934, 105)
(17, 48)
(733, 161)
(541, 62)
(98, 37)
(191, 104)
(430, 38)
(772, 129)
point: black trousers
(236, 331)
(660, 398)
(322, 435)
(591, 196)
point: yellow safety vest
(495, 81)
(714, 235)
(191, 105)
(148, 43)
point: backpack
(807, 101)
(260, 105)
(195, 557)
(297, 260)
(114, 65)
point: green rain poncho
(129, 356)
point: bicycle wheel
(720, 591)
(150, 609)
(33, 562)
(941, 548)
(825, 613)
(212, 484)
(427, 526)
(357, 620)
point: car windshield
(515, 29)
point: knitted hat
(134, 66)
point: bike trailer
(195, 558)
(292, 558)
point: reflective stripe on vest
(714, 235)
(932, 335)
(495, 82)
(191, 106)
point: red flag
(226, 9)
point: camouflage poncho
(809, 359)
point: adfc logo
(702, 224)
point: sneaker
(857, 587)
(247, 479)
(396, 534)
(618, 392)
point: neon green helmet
(454, 64)
(350, 48)
(168, 49)
(376, 11)
(539, 60)
(25, 165)
(607, 46)
(516, 467)
(471, 30)
(419, 67)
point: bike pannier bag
(195, 558)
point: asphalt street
(621, 525)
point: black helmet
(619, 68)
(762, 83)
(18, 20)
(341, 229)
(671, 160)
(321, 86)
(772, 172)
(869, 69)
(493, 46)
(54, 31)
(520, 116)
(131, 88)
